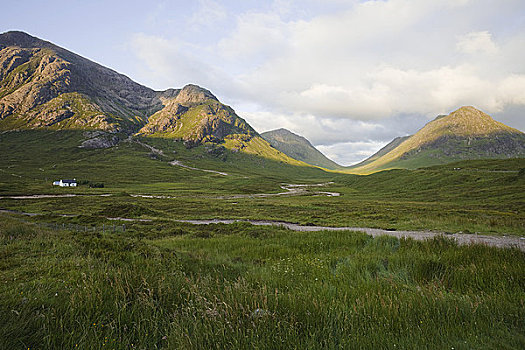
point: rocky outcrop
(30, 83)
(195, 115)
(98, 139)
(192, 95)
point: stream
(459, 238)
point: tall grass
(177, 286)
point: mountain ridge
(46, 86)
(384, 150)
(35, 72)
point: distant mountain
(389, 147)
(45, 86)
(298, 148)
(466, 133)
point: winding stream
(460, 238)
(289, 190)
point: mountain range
(45, 86)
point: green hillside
(464, 134)
(483, 196)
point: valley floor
(167, 283)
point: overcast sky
(348, 75)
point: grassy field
(166, 285)
(482, 196)
(163, 284)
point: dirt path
(290, 190)
(151, 148)
(7, 211)
(174, 162)
(128, 219)
(460, 238)
(179, 163)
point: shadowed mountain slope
(299, 148)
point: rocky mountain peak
(468, 120)
(470, 113)
(283, 134)
(42, 84)
(193, 94)
(282, 131)
(20, 39)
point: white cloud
(330, 135)
(208, 14)
(172, 63)
(263, 121)
(349, 153)
(425, 92)
(477, 42)
(257, 34)
(317, 130)
(512, 90)
(354, 64)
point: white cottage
(66, 183)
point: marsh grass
(178, 286)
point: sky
(348, 75)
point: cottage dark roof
(69, 181)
